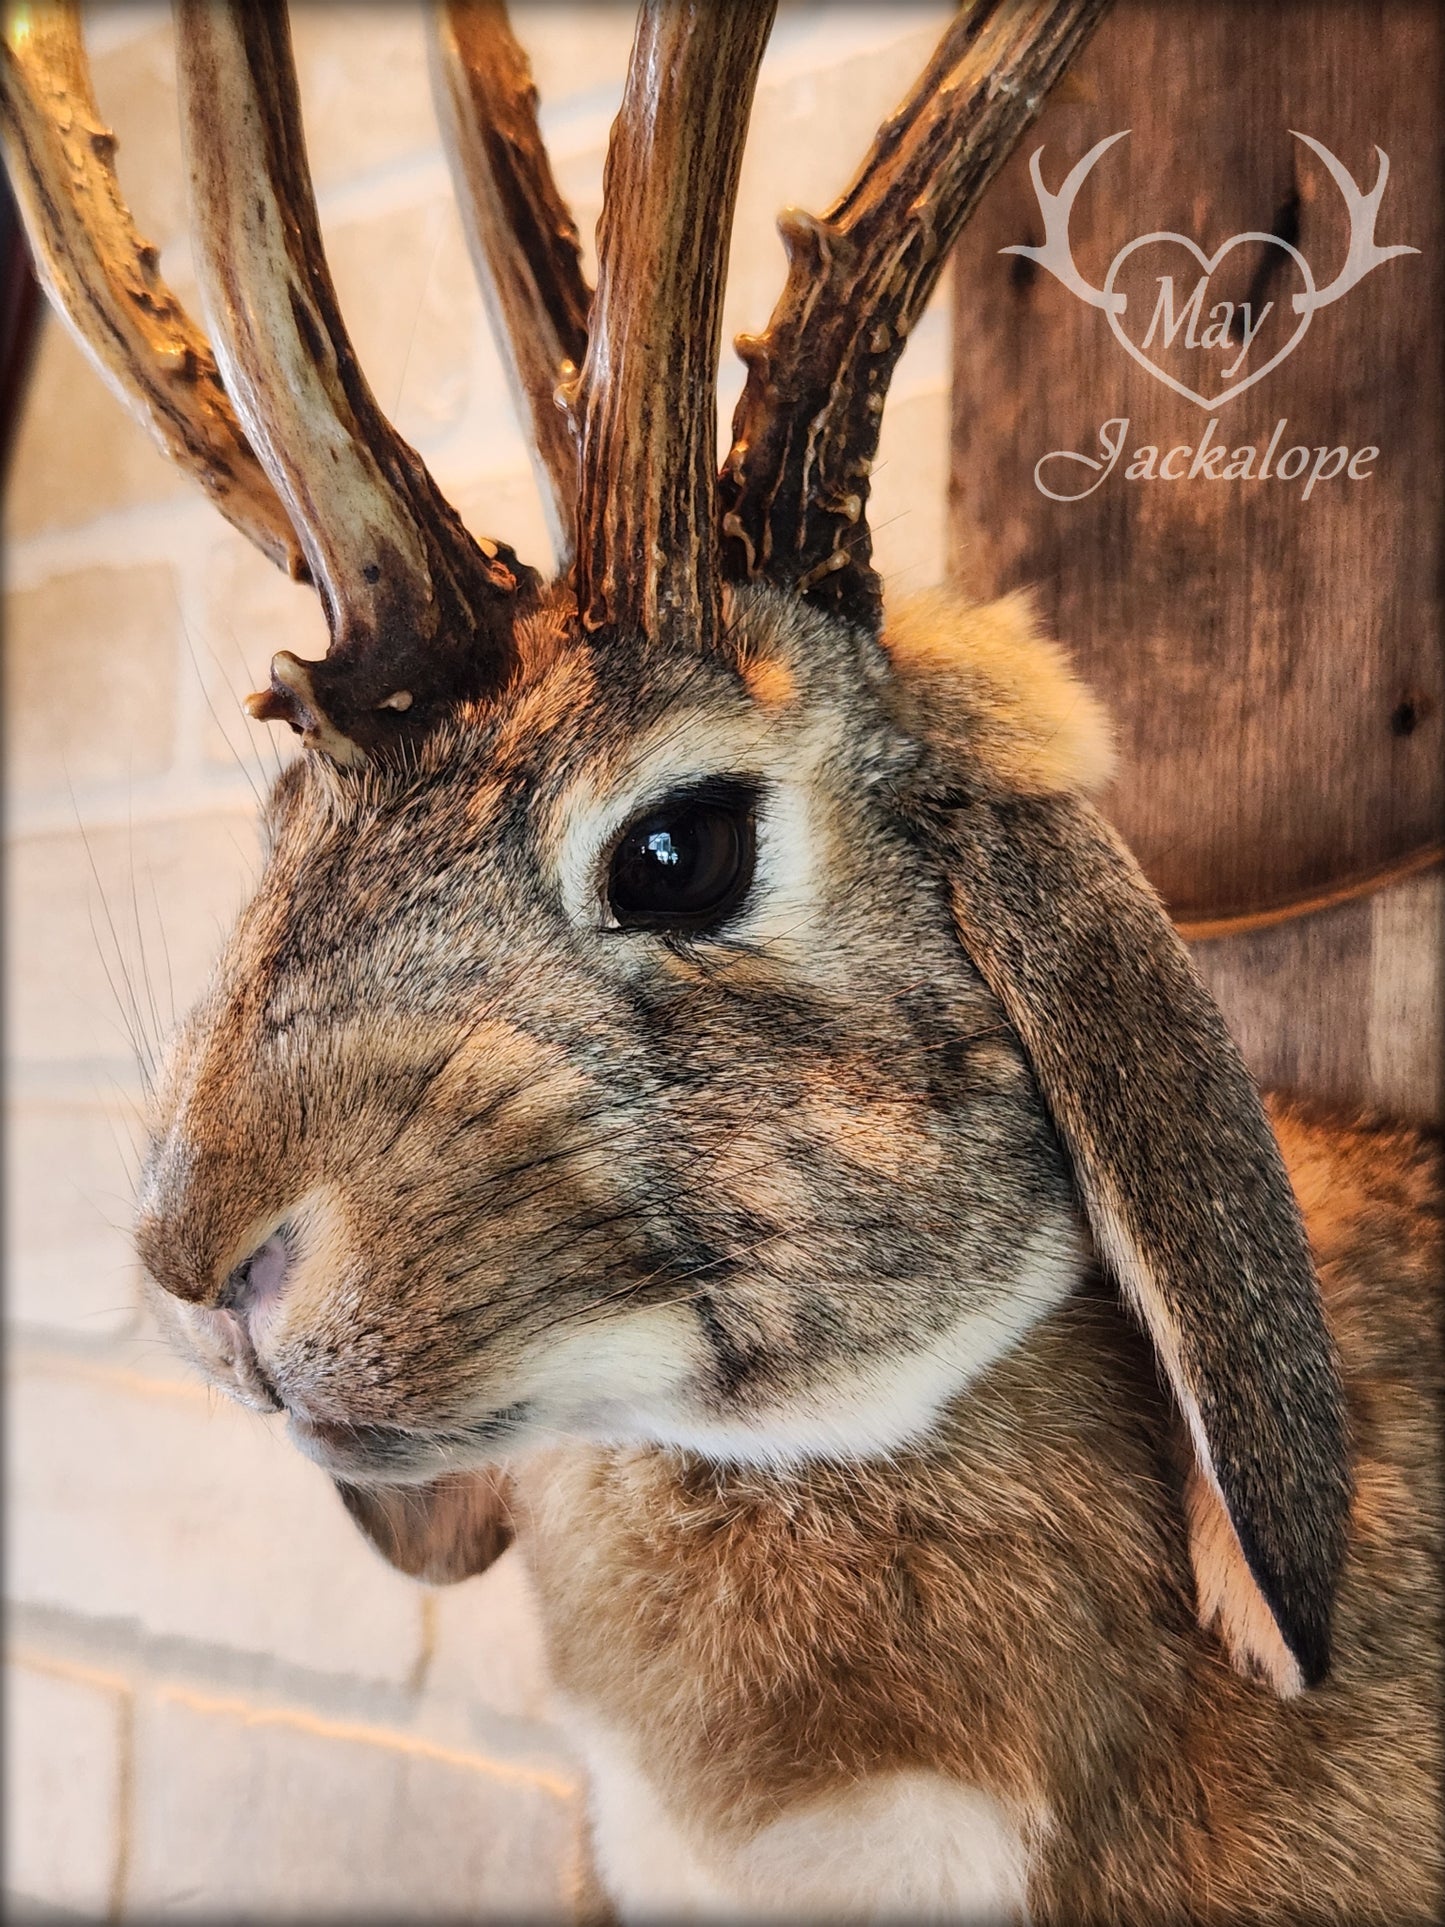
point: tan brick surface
(827, 84)
(364, 88)
(242, 611)
(146, 1498)
(134, 81)
(576, 50)
(87, 909)
(64, 1750)
(418, 344)
(90, 677)
(487, 1653)
(496, 502)
(907, 511)
(69, 1172)
(78, 451)
(277, 1815)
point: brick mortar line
(122, 1690)
(45, 1360)
(60, 1639)
(117, 1651)
(195, 651)
(363, 1733)
(165, 533)
(85, 1083)
(426, 1650)
(169, 532)
(153, 802)
(299, 1719)
(125, 1801)
(74, 1672)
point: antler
(419, 613)
(1056, 254)
(104, 279)
(646, 548)
(522, 236)
(795, 485)
(1364, 209)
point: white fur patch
(899, 1846)
(649, 1864)
(782, 902)
(641, 1378)
(869, 1410)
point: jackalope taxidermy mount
(699, 1089)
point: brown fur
(1013, 1606)
(519, 1159)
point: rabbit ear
(1181, 1178)
(441, 1532)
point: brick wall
(217, 1698)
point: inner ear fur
(1174, 1160)
(439, 1532)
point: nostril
(259, 1281)
(235, 1353)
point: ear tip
(1308, 1641)
(1315, 1669)
(1302, 1615)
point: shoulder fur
(980, 684)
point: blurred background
(218, 1701)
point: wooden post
(1269, 644)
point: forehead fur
(974, 685)
(577, 698)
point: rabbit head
(610, 1067)
(678, 1007)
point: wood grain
(1344, 1006)
(1273, 662)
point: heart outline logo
(1364, 254)
(1115, 304)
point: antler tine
(522, 236)
(420, 614)
(104, 279)
(646, 547)
(794, 488)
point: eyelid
(723, 789)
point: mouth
(400, 1455)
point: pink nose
(257, 1284)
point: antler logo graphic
(1229, 327)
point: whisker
(128, 1006)
(240, 761)
(143, 962)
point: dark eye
(687, 864)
